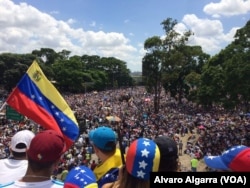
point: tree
(152, 68)
(13, 66)
(225, 79)
(47, 55)
(14, 75)
(69, 75)
(184, 62)
(169, 60)
(117, 72)
(211, 89)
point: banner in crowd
(13, 114)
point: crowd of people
(111, 148)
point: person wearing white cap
(15, 166)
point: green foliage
(171, 63)
(187, 72)
(225, 79)
(183, 71)
(70, 74)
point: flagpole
(4, 104)
(122, 149)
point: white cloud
(71, 21)
(228, 8)
(207, 33)
(23, 29)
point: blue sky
(115, 28)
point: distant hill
(136, 74)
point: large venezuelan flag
(35, 97)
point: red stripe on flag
(22, 104)
(26, 106)
(129, 159)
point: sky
(116, 28)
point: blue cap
(101, 136)
(91, 134)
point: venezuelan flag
(142, 157)
(37, 98)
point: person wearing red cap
(43, 155)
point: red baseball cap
(46, 146)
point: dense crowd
(212, 132)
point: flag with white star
(236, 159)
(142, 157)
(36, 98)
(80, 177)
(110, 176)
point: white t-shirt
(42, 184)
(11, 170)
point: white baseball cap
(25, 137)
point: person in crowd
(142, 157)
(179, 166)
(222, 128)
(180, 147)
(169, 154)
(15, 166)
(93, 165)
(194, 163)
(104, 141)
(43, 155)
(80, 177)
(65, 171)
(235, 159)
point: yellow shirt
(64, 174)
(113, 162)
(194, 163)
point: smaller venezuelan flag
(143, 157)
(36, 98)
(80, 176)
